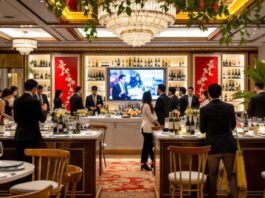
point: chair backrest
(45, 193)
(100, 127)
(188, 159)
(50, 164)
(73, 173)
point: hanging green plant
(200, 13)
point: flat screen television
(131, 83)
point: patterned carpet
(123, 179)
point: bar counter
(123, 134)
(84, 152)
(254, 155)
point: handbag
(240, 171)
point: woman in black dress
(5, 109)
(57, 102)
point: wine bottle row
(232, 74)
(231, 62)
(41, 75)
(41, 63)
(231, 86)
(177, 76)
(95, 76)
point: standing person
(76, 101)
(94, 102)
(42, 98)
(58, 102)
(206, 99)
(163, 104)
(14, 94)
(120, 90)
(217, 120)
(28, 112)
(149, 120)
(193, 101)
(257, 103)
(183, 103)
(174, 99)
(5, 109)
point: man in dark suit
(163, 104)
(257, 103)
(76, 101)
(120, 90)
(183, 103)
(27, 114)
(174, 99)
(94, 102)
(42, 98)
(217, 120)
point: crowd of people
(217, 118)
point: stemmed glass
(1, 149)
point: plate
(12, 169)
(9, 163)
(3, 175)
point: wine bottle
(188, 124)
(192, 126)
(225, 99)
(170, 123)
(60, 124)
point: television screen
(131, 83)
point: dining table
(14, 173)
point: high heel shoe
(145, 167)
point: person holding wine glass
(149, 120)
(5, 109)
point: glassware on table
(1, 149)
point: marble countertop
(111, 119)
(46, 135)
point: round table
(15, 175)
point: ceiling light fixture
(144, 23)
(24, 45)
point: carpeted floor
(123, 179)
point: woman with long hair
(149, 120)
(14, 94)
(57, 102)
(5, 109)
(205, 98)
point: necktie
(40, 99)
(95, 100)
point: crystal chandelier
(24, 45)
(143, 24)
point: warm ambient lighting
(143, 24)
(24, 45)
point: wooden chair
(45, 193)
(72, 176)
(50, 166)
(187, 169)
(103, 144)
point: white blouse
(148, 119)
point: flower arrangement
(189, 111)
(60, 112)
(81, 112)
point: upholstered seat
(185, 177)
(33, 186)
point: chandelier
(142, 25)
(24, 45)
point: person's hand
(44, 107)
(93, 108)
(99, 105)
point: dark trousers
(213, 164)
(20, 148)
(147, 147)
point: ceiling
(33, 16)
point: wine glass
(1, 149)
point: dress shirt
(190, 100)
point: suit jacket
(57, 103)
(90, 102)
(162, 108)
(183, 103)
(175, 102)
(27, 115)
(195, 103)
(257, 106)
(44, 100)
(217, 120)
(76, 103)
(116, 90)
